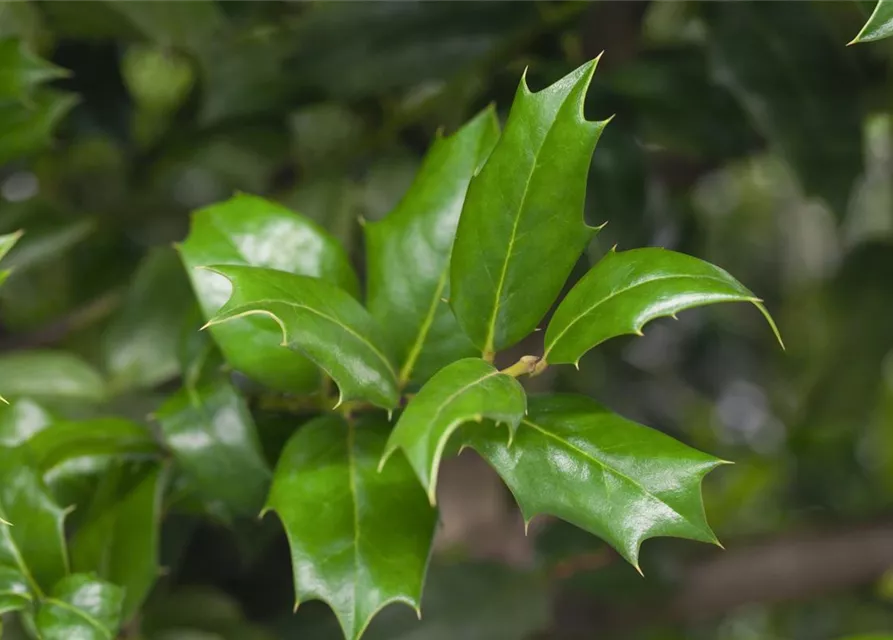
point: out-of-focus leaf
(879, 25)
(242, 76)
(360, 50)
(798, 90)
(21, 420)
(158, 79)
(50, 375)
(479, 601)
(139, 347)
(679, 107)
(248, 230)
(81, 606)
(34, 543)
(119, 538)
(197, 613)
(467, 390)
(14, 591)
(359, 538)
(213, 438)
(408, 254)
(627, 289)
(321, 321)
(523, 209)
(187, 25)
(64, 441)
(21, 71)
(6, 243)
(44, 245)
(21, 20)
(621, 481)
(24, 130)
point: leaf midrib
(20, 561)
(335, 321)
(419, 343)
(491, 325)
(626, 289)
(459, 392)
(352, 477)
(93, 622)
(606, 468)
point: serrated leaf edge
(587, 79)
(220, 320)
(431, 489)
(413, 603)
(637, 329)
(633, 556)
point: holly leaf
(65, 441)
(35, 545)
(14, 592)
(138, 347)
(525, 208)
(119, 538)
(879, 25)
(627, 289)
(50, 375)
(247, 230)
(619, 480)
(359, 539)
(21, 70)
(320, 321)
(467, 390)
(409, 303)
(212, 435)
(83, 607)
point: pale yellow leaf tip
(638, 569)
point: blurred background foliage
(746, 133)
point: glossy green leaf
(408, 254)
(26, 129)
(14, 591)
(119, 538)
(524, 210)
(213, 438)
(467, 390)
(51, 375)
(34, 543)
(21, 420)
(797, 90)
(879, 25)
(81, 607)
(139, 348)
(623, 482)
(627, 289)
(64, 441)
(248, 230)
(320, 321)
(359, 539)
(21, 70)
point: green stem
(525, 366)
